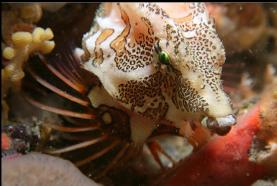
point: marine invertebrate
(16, 17)
(24, 44)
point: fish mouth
(220, 125)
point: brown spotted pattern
(138, 92)
(154, 9)
(200, 48)
(204, 60)
(157, 87)
(137, 54)
(184, 96)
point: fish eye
(164, 57)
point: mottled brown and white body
(123, 49)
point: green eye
(164, 57)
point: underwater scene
(139, 94)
